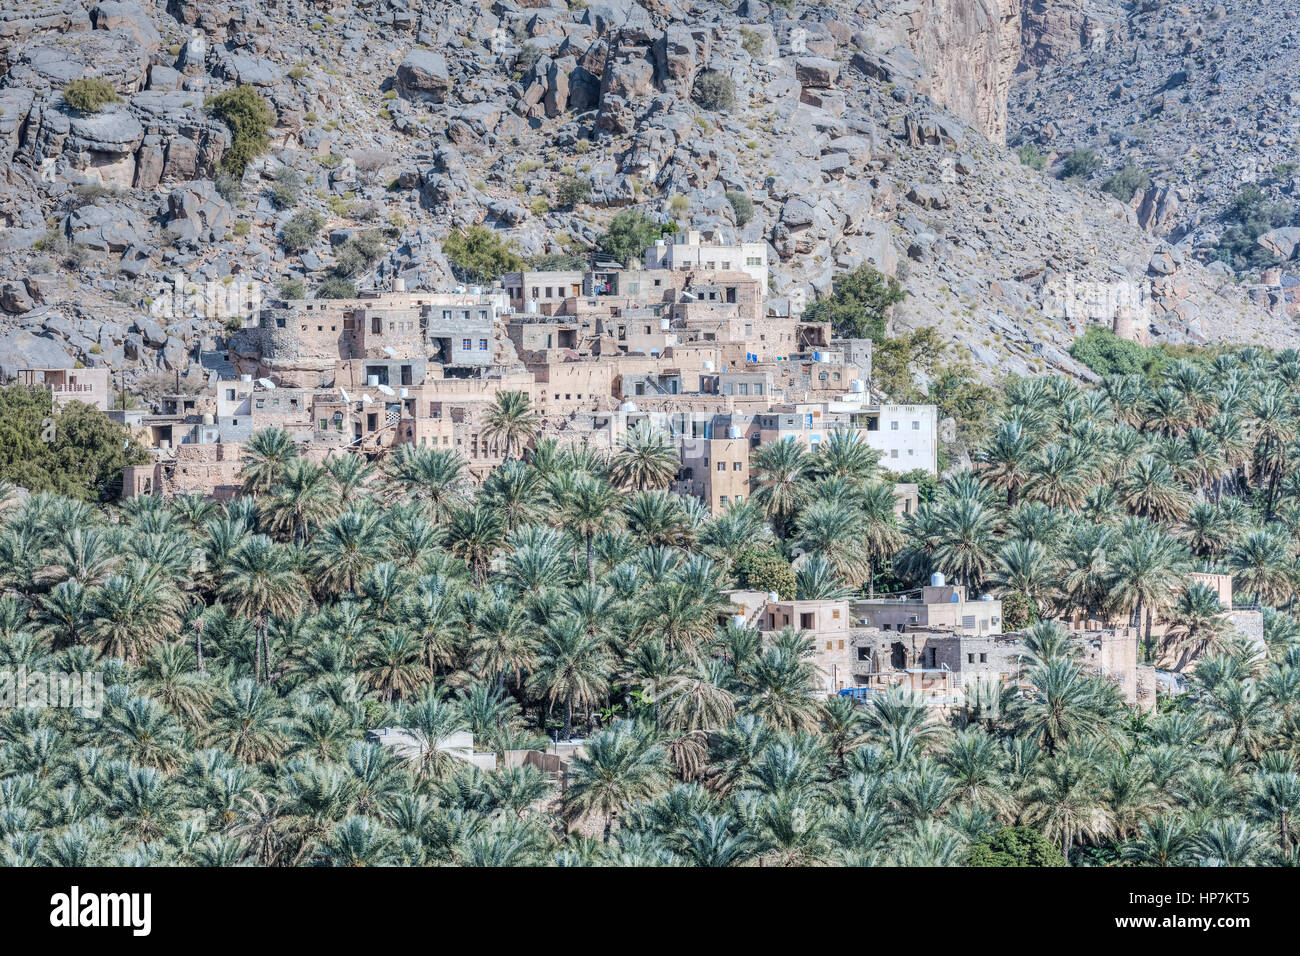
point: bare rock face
(1055, 29)
(970, 49)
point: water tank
(476, 290)
(707, 365)
(627, 407)
(817, 356)
(733, 431)
(399, 284)
(955, 599)
(664, 325)
(773, 596)
(937, 580)
(857, 386)
(245, 378)
(372, 380)
(738, 620)
(208, 419)
(404, 393)
(531, 306)
(987, 597)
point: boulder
(423, 76)
(197, 213)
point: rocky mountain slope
(861, 132)
(1200, 93)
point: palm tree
(304, 497)
(351, 474)
(435, 477)
(573, 666)
(592, 507)
(964, 541)
(511, 422)
(1065, 801)
(845, 454)
(345, 548)
(1149, 489)
(619, 766)
(646, 459)
(835, 530)
(1199, 626)
(1263, 565)
(515, 492)
(1161, 841)
(779, 472)
(881, 534)
(1146, 573)
(474, 533)
(264, 458)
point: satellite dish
(390, 350)
(344, 393)
(366, 400)
(386, 390)
(266, 383)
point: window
(230, 394)
(740, 499)
(970, 658)
(893, 453)
(324, 424)
(893, 426)
(722, 466)
(482, 345)
(916, 426)
(829, 645)
(984, 658)
(466, 344)
(722, 500)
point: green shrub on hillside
(89, 95)
(249, 118)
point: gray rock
(423, 75)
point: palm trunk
(568, 717)
(591, 562)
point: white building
(689, 251)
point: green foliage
(249, 118)
(970, 403)
(89, 95)
(742, 206)
(1127, 182)
(859, 304)
(762, 569)
(1080, 164)
(360, 253)
(336, 287)
(629, 234)
(1031, 157)
(927, 486)
(572, 191)
(300, 232)
(897, 362)
(1018, 611)
(287, 188)
(1107, 354)
(292, 289)
(1015, 846)
(714, 91)
(480, 255)
(751, 42)
(1255, 214)
(77, 451)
